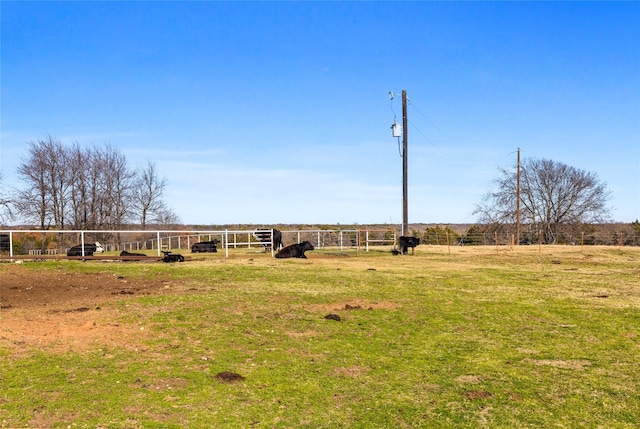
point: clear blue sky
(278, 112)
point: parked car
(4, 242)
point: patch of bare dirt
(469, 379)
(229, 377)
(477, 394)
(352, 371)
(355, 305)
(65, 311)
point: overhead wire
(391, 97)
(419, 131)
(424, 116)
(412, 123)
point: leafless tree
(118, 182)
(55, 158)
(79, 162)
(167, 218)
(148, 195)
(33, 202)
(101, 192)
(552, 195)
(6, 214)
(88, 188)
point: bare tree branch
(148, 194)
(6, 201)
(553, 195)
(89, 188)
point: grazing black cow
(125, 253)
(89, 249)
(295, 250)
(264, 236)
(205, 246)
(4, 242)
(406, 242)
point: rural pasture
(466, 337)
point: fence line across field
(340, 239)
(159, 243)
(343, 239)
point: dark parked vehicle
(205, 246)
(77, 250)
(4, 242)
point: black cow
(205, 246)
(168, 257)
(125, 253)
(89, 249)
(4, 242)
(264, 236)
(295, 250)
(406, 242)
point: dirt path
(62, 311)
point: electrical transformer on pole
(398, 131)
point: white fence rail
(36, 242)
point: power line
(392, 95)
(419, 131)
(425, 116)
(433, 124)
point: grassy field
(460, 338)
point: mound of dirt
(229, 377)
(332, 316)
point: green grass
(475, 338)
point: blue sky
(278, 112)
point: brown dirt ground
(67, 311)
(62, 311)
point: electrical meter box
(396, 130)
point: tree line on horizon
(71, 187)
(93, 188)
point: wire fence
(14, 243)
(51, 243)
(445, 237)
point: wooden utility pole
(518, 204)
(405, 164)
